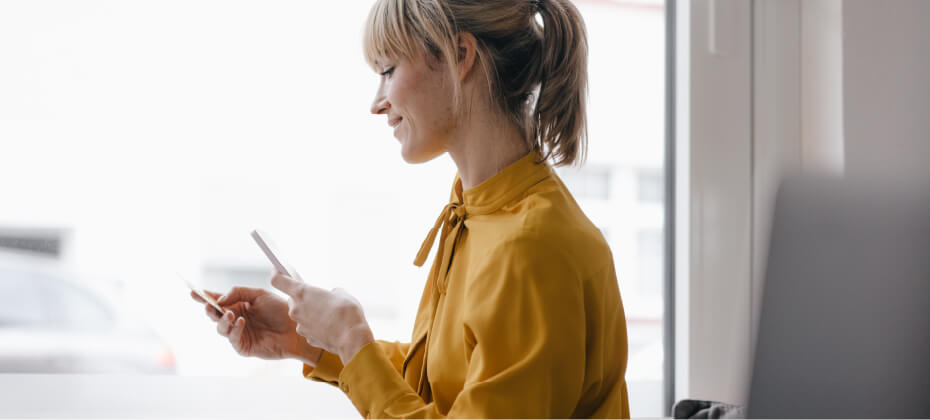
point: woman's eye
(388, 72)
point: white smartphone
(204, 296)
(271, 252)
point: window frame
(713, 239)
(669, 244)
(746, 99)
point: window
(160, 135)
(649, 245)
(650, 186)
(587, 182)
(621, 186)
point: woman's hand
(256, 323)
(333, 321)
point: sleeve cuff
(371, 381)
(327, 369)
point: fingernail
(247, 306)
(221, 299)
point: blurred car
(52, 323)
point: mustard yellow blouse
(520, 317)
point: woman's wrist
(355, 339)
(306, 353)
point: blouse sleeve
(330, 365)
(525, 338)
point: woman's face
(416, 96)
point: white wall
(886, 82)
(777, 135)
(821, 63)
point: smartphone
(204, 296)
(271, 252)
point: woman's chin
(412, 158)
(413, 155)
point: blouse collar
(485, 198)
(504, 187)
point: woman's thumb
(237, 294)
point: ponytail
(559, 117)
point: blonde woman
(521, 314)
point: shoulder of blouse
(544, 232)
(547, 218)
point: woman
(521, 314)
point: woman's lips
(396, 124)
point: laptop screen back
(845, 322)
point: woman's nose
(380, 104)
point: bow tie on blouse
(452, 222)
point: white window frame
(758, 94)
(713, 206)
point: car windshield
(35, 299)
(22, 303)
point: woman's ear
(467, 54)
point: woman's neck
(484, 146)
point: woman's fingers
(211, 293)
(197, 297)
(286, 284)
(239, 294)
(235, 335)
(225, 324)
(211, 312)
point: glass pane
(143, 141)
(621, 187)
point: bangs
(387, 34)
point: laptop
(844, 328)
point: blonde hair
(534, 53)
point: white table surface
(153, 396)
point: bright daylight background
(141, 139)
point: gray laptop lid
(845, 322)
